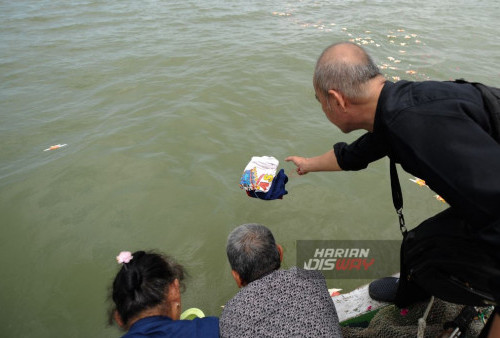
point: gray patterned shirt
(285, 303)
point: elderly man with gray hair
(273, 302)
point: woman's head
(143, 283)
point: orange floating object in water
(419, 181)
(439, 198)
(57, 146)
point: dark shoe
(384, 289)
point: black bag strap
(397, 197)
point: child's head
(142, 283)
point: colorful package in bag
(259, 173)
(276, 191)
(260, 180)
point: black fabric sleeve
(357, 155)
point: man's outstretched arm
(325, 162)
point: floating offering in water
(419, 181)
(57, 146)
(282, 14)
(439, 198)
(422, 183)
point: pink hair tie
(124, 257)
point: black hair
(142, 283)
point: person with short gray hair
(347, 73)
(273, 302)
(446, 133)
(252, 252)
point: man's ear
(118, 319)
(280, 250)
(339, 98)
(237, 279)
